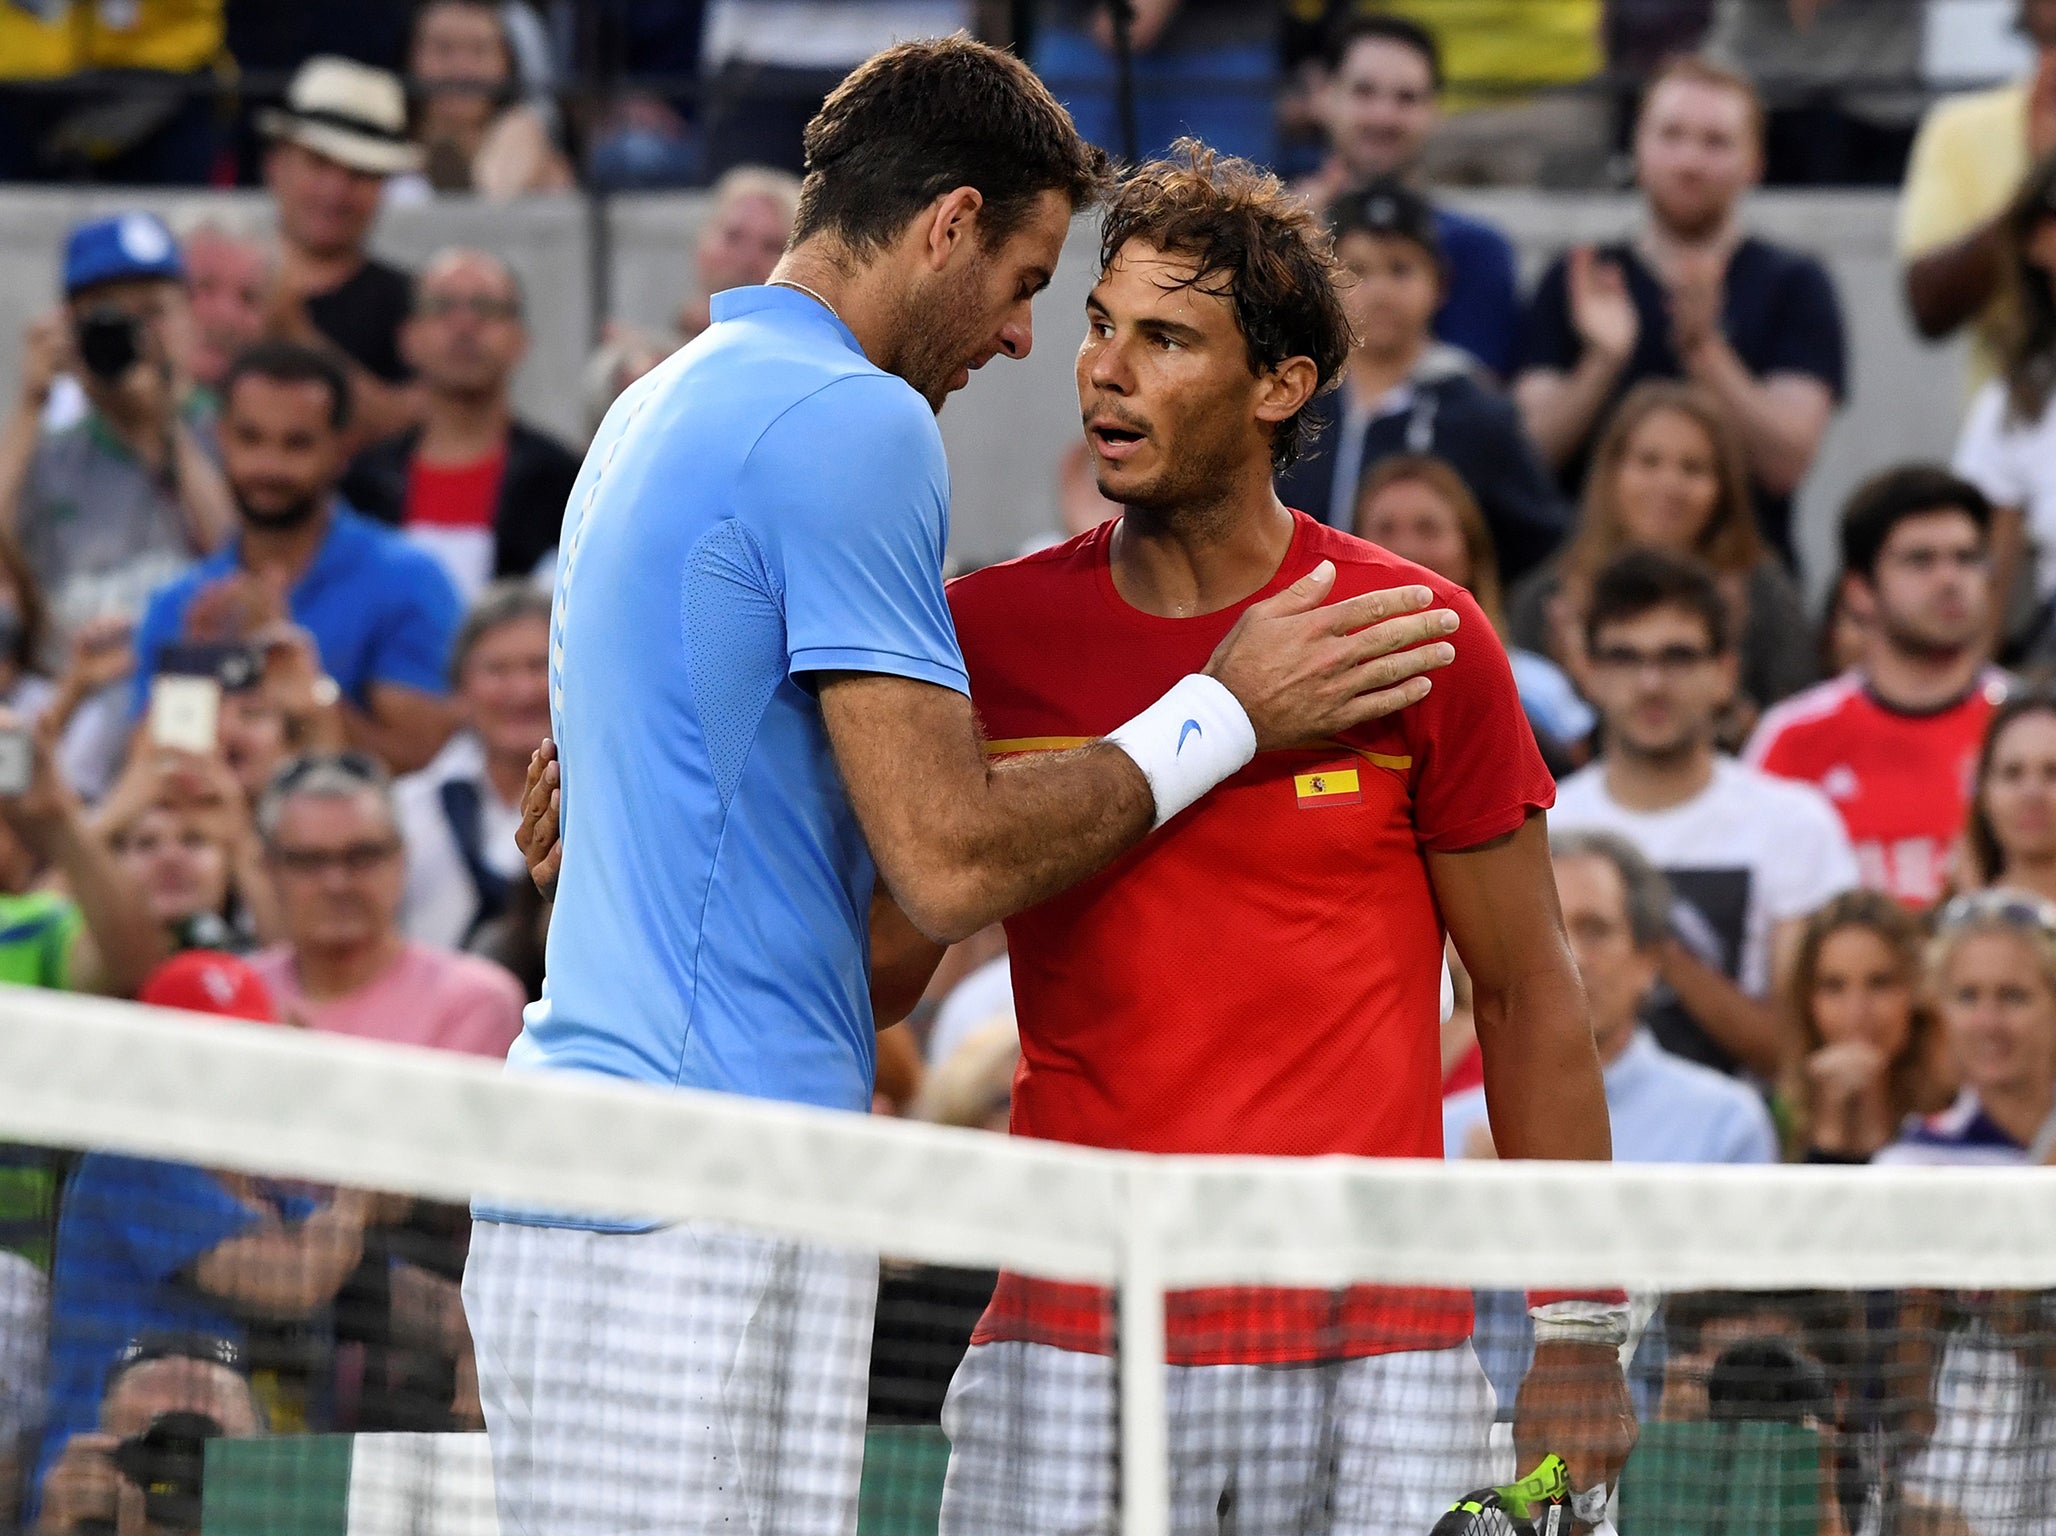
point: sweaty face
(1165, 385)
(465, 336)
(1695, 154)
(1410, 519)
(742, 243)
(336, 859)
(1380, 109)
(2020, 793)
(1659, 683)
(1999, 1014)
(1932, 586)
(980, 307)
(1862, 991)
(1617, 975)
(1393, 291)
(505, 689)
(279, 450)
(1668, 482)
(323, 207)
(227, 283)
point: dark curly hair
(920, 120)
(1250, 242)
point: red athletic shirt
(1263, 975)
(1902, 782)
(455, 495)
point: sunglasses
(355, 765)
(2011, 909)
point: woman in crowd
(181, 830)
(478, 135)
(2011, 839)
(1669, 474)
(1991, 973)
(2008, 446)
(1869, 1048)
(1419, 508)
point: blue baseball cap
(124, 246)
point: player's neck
(1188, 561)
(1639, 781)
(859, 294)
(1915, 681)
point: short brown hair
(921, 119)
(1694, 70)
(1440, 478)
(1252, 243)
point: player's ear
(949, 226)
(1282, 391)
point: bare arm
(1745, 1027)
(44, 348)
(202, 491)
(1543, 1089)
(902, 960)
(1781, 418)
(1559, 410)
(404, 728)
(1950, 285)
(962, 842)
(288, 1271)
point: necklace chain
(786, 282)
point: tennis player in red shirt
(1262, 974)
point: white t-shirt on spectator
(1747, 852)
(2014, 464)
(441, 899)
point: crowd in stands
(275, 552)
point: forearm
(202, 491)
(1745, 1028)
(1780, 435)
(127, 942)
(1544, 1090)
(1948, 286)
(903, 960)
(404, 743)
(288, 1273)
(1559, 409)
(17, 448)
(1034, 826)
(379, 410)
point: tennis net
(234, 1298)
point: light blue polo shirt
(765, 507)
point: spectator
(1867, 1046)
(1668, 476)
(155, 1375)
(1419, 508)
(1515, 68)
(1207, 69)
(134, 108)
(1617, 911)
(1846, 89)
(1379, 106)
(458, 815)
(1992, 974)
(1690, 297)
(1969, 159)
(771, 62)
(1893, 741)
(624, 355)
(741, 239)
(479, 490)
(229, 280)
(340, 135)
(2008, 446)
(2011, 836)
(110, 506)
(24, 1360)
(359, 617)
(332, 835)
(973, 1086)
(179, 827)
(1747, 855)
(1402, 392)
(475, 134)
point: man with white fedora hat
(340, 134)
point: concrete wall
(1006, 430)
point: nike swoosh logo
(1189, 728)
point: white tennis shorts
(693, 1379)
(1350, 1448)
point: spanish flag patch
(1331, 786)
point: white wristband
(1193, 737)
(1581, 1322)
